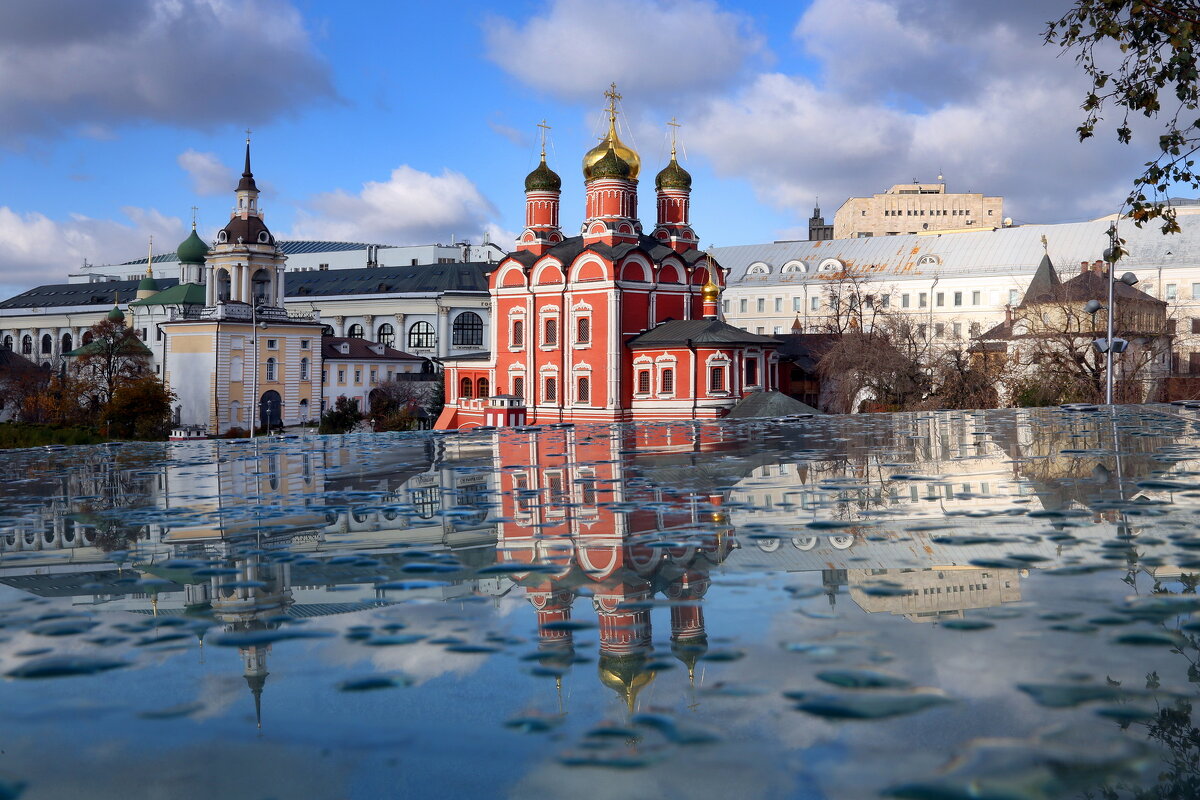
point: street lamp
(1109, 344)
(254, 325)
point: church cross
(194, 210)
(674, 128)
(613, 96)
(544, 128)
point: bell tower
(610, 172)
(673, 186)
(543, 190)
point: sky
(403, 122)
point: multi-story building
(913, 208)
(354, 369)
(612, 324)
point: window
(342, 376)
(939, 330)
(271, 369)
(518, 386)
(941, 299)
(355, 331)
(27, 344)
(958, 330)
(386, 336)
(752, 372)
(518, 333)
(48, 343)
(421, 336)
(643, 381)
(583, 390)
(272, 344)
(8, 340)
(1195, 325)
(465, 386)
(814, 303)
(958, 298)
(583, 330)
(66, 342)
(797, 304)
(550, 332)
(742, 305)
(1196, 291)
(483, 388)
(304, 369)
(1014, 297)
(904, 301)
(716, 379)
(974, 329)
(760, 305)
(304, 342)
(922, 331)
(725, 306)
(324, 376)
(885, 301)
(358, 374)
(778, 304)
(976, 298)
(468, 330)
(550, 395)
(1172, 291)
(668, 381)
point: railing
(241, 312)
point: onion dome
(610, 166)
(710, 292)
(673, 176)
(147, 284)
(116, 315)
(626, 675)
(611, 142)
(543, 179)
(192, 250)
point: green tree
(1140, 56)
(114, 354)
(342, 417)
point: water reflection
(622, 542)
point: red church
(613, 324)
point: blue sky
(410, 122)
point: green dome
(192, 250)
(543, 179)
(611, 166)
(148, 284)
(673, 176)
(115, 315)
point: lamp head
(1101, 345)
(1129, 279)
(1093, 306)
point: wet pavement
(995, 604)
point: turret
(610, 171)
(543, 189)
(673, 186)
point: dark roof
(1002, 331)
(433, 278)
(481, 355)
(806, 350)
(697, 331)
(289, 248)
(771, 405)
(80, 294)
(360, 349)
(11, 362)
(1044, 284)
(247, 181)
(247, 230)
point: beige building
(915, 208)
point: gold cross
(248, 132)
(613, 97)
(194, 210)
(544, 128)
(674, 127)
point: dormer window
(344, 348)
(263, 236)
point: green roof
(134, 347)
(192, 250)
(181, 294)
(148, 284)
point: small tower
(543, 190)
(710, 296)
(674, 189)
(610, 171)
(148, 286)
(191, 254)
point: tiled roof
(427, 278)
(569, 249)
(697, 331)
(360, 350)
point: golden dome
(710, 292)
(625, 676)
(626, 154)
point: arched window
(26, 345)
(66, 343)
(386, 335)
(304, 369)
(482, 388)
(668, 381)
(583, 389)
(464, 389)
(468, 330)
(271, 369)
(260, 287)
(421, 336)
(8, 343)
(518, 333)
(47, 344)
(87, 337)
(223, 284)
(583, 330)
(355, 332)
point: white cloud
(577, 47)
(209, 176)
(411, 207)
(909, 90)
(77, 64)
(35, 249)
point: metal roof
(80, 294)
(696, 331)
(426, 278)
(1004, 251)
(289, 248)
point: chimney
(1098, 267)
(1084, 267)
(1008, 318)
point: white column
(443, 332)
(210, 287)
(247, 297)
(280, 295)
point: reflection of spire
(256, 683)
(624, 674)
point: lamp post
(1109, 344)
(253, 410)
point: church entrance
(270, 411)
